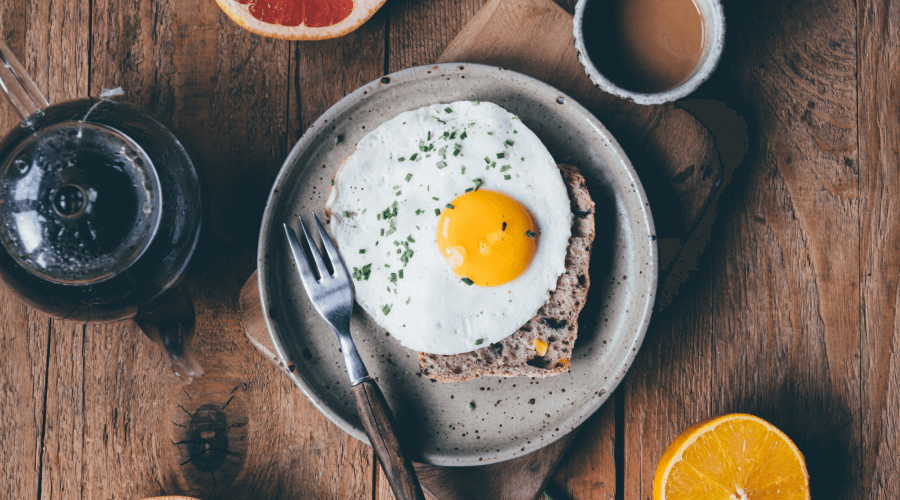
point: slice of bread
(555, 325)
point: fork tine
(306, 274)
(314, 250)
(336, 262)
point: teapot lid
(79, 203)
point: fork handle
(379, 424)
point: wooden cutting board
(674, 155)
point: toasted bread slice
(555, 325)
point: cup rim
(706, 67)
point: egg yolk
(486, 237)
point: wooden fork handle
(379, 424)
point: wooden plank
(420, 31)
(879, 271)
(51, 40)
(771, 325)
(588, 470)
(242, 429)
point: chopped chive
(346, 213)
(410, 239)
(507, 177)
(362, 250)
(398, 193)
(515, 131)
(400, 272)
(509, 142)
(530, 234)
(477, 103)
(364, 210)
(413, 156)
(402, 158)
(471, 406)
(408, 300)
(399, 251)
(501, 155)
(418, 211)
(504, 227)
(463, 135)
(422, 147)
(332, 182)
(470, 189)
(393, 278)
(378, 216)
(464, 170)
(441, 164)
(515, 117)
(479, 341)
(493, 164)
(478, 183)
(435, 198)
(396, 187)
(504, 168)
(429, 135)
(386, 309)
(382, 231)
(437, 211)
(448, 110)
(468, 281)
(443, 152)
(408, 177)
(439, 120)
(523, 158)
(451, 207)
(396, 243)
(453, 135)
(456, 151)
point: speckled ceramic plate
(512, 416)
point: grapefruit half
(300, 19)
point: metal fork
(331, 293)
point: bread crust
(556, 322)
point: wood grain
(771, 327)
(879, 269)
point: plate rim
(350, 100)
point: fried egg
(454, 221)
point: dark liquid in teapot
(94, 221)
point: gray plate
(512, 416)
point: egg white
(430, 309)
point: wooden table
(790, 314)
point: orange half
(300, 19)
(735, 456)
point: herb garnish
(451, 207)
(398, 193)
(448, 110)
(362, 250)
(479, 341)
(346, 214)
(504, 227)
(402, 158)
(530, 234)
(478, 183)
(400, 272)
(410, 239)
(504, 168)
(362, 274)
(456, 149)
(463, 135)
(413, 157)
(408, 177)
(463, 169)
(507, 177)
(393, 278)
(437, 211)
(332, 182)
(469, 189)
(386, 309)
(508, 142)
(501, 155)
(441, 164)
(468, 281)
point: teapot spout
(170, 320)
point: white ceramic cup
(714, 41)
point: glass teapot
(100, 213)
